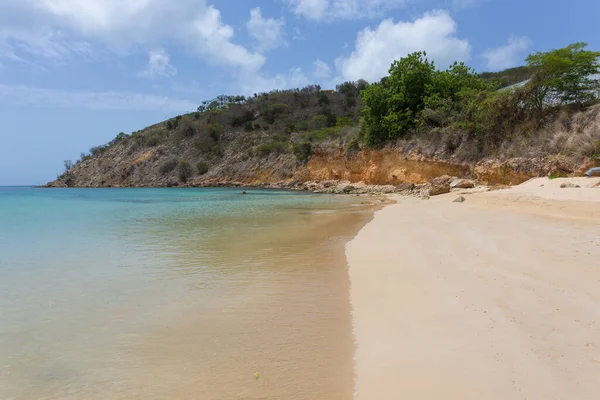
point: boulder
(405, 187)
(459, 199)
(443, 180)
(569, 185)
(436, 190)
(462, 184)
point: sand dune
(494, 298)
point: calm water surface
(175, 294)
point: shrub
(167, 166)
(154, 139)
(186, 129)
(318, 122)
(173, 123)
(202, 168)
(323, 99)
(302, 151)
(266, 149)
(214, 131)
(248, 127)
(96, 150)
(205, 145)
(244, 119)
(302, 125)
(184, 171)
(353, 146)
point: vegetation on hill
(508, 77)
(453, 113)
(417, 99)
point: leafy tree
(564, 75)
(68, 164)
(184, 171)
(323, 100)
(391, 105)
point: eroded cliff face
(375, 167)
(394, 167)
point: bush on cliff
(184, 171)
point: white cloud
(329, 10)
(294, 78)
(375, 50)
(321, 69)
(458, 4)
(119, 25)
(28, 96)
(507, 56)
(159, 65)
(267, 32)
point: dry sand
(494, 298)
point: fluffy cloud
(267, 32)
(506, 56)
(29, 27)
(28, 96)
(342, 9)
(159, 65)
(294, 78)
(321, 69)
(376, 49)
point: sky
(75, 73)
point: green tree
(563, 75)
(184, 171)
(391, 106)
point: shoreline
(493, 298)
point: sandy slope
(494, 298)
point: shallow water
(175, 294)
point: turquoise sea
(175, 294)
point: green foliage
(184, 171)
(266, 149)
(416, 97)
(344, 121)
(120, 137)
(186, 129)
(167, 166)
(564, 75)
(302, 125)
(214, 131)
(559, 174)
(154, 138)
(323, 100)
(302, 151)
(318, 121)
(391, 106)
(205, 145)
(173, 123)
(248, 127)
(270, 113)
(507, 77)
(97, 150)
(244, 119)
(202, 168)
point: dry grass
(576, 135)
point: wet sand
(494, 298)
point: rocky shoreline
(440, 185)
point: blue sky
(74, 73)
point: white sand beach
(494, 298)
